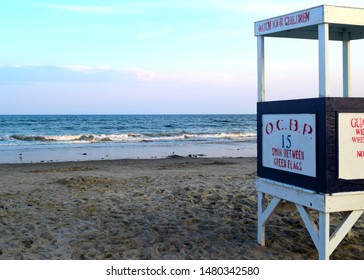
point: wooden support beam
(309, 223)
(260, 224)
(323, 34)
(346, 65)
(324, 236)
(324, 204)
(344, 227)
(261, 69)
(264, 214)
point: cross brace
(304, 200)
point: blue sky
(153, 57)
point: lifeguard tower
(311, 151)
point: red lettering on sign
(296, 154)
(359, 131)
(269, 128)
(276, 152)
(266, 26)
(280, 162)
(357, 139)
(295, 165)
(307, 129)
(295, 19)
(357, 123)
(293, 125)
(284, 21)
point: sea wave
(131, 137)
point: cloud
(202, 78)
(74, 74)
(145, 75)
(218, 33)
(184, 78)
(236, 6)
(82, 9)
(83, 89)
(250, 6)
(264, 7)
(88, 69)
(80, 74)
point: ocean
(53, 138)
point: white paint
(346, 65)
(323, 30)
(261, 69)
(351, 146)
(289, 143)
(324, 204)
(323, 23)
(343, 15)
(281, 130)
(310, 17)
(290, 21)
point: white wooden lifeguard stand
(323, 23)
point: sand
(173, 208)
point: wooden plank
(290, 21)
(324, 236)
(293, 194)
(347, 201)
(310, 224)
(264, 215)
(261, 69)
(260, 224)
(269, 211)
(346, 65)
(323, 30)
(344, 15)
(343, 229)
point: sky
(155, 57)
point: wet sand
(173, 208)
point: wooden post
(324, 236)
(261, 225)
(324, 204)
(346, 65)
(323, 34)
(261, 69)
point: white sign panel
(351, 146)
(289, 143)
(289, 21)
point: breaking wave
(132, 137)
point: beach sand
(173, 208)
